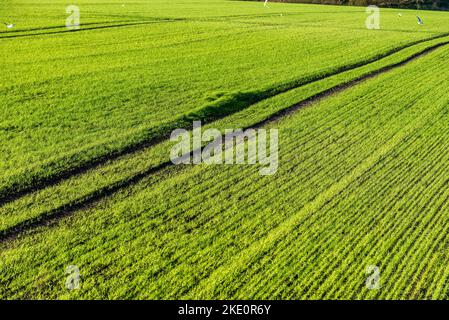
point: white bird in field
(420, 22)
(266, 4)
(400, 14)
(9, 25)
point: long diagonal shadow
(40, 179)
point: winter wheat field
(124, 175)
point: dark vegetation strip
(96, 196)
(343, 86)
(66, 167)
(405, 4)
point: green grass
(357, 187)
(362, 177)
(72, 98)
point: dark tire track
(58, 27)
(341, 87)
(91, 199)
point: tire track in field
(120, 25)
(58, 27)
(19, 188)
(124, 23)
(99, 194)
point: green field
(86, 178)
